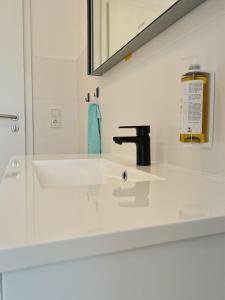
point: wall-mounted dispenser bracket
(211, 111)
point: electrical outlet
(56, 118)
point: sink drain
(124, 176)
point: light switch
(56, 118)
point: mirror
(116, 28)
(116, 22)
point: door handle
(14, 117)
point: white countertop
(47, 225)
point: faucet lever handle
(141, 129)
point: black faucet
(142, 141)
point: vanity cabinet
(190, 269)
(1, 287)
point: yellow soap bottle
(195, 106)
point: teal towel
(94, 130)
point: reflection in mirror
(11, 174)
(116, 22)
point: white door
(12, 132)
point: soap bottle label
(192, 107)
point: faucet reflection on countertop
(140, 192)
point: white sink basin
(83, 172)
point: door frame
(28, 82)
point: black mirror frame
(169, 17)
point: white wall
(55, 48)
(146, 90)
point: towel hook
(96, 94)
(87, 98)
